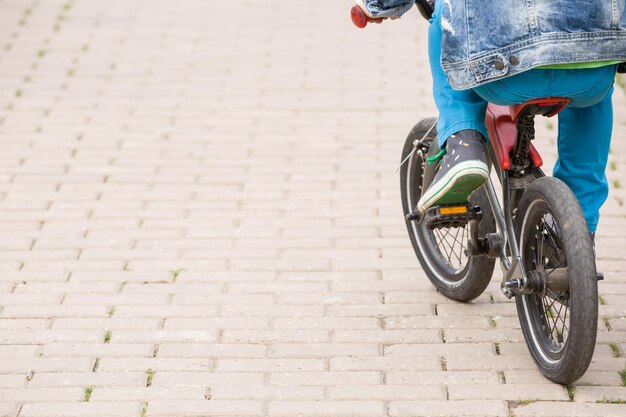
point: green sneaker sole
(456, 187)
(461, 190)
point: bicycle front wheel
(559, 323)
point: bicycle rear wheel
(443, 253)
(559, 323)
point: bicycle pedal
(439, 217)
(600, 276)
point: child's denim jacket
(484, 40)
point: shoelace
(435, 158)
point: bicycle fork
(505, 246)
(514, 276)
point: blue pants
(585, 126)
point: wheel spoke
(452, 246)
(440, 245)
(460, 245)
(536, 254)
(562, 264)
(546, 317)
(540, 248)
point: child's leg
(458, 110)
(461, 130)
(583, 146)
(585, 127)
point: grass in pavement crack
(88, 392)
(605, 400)
(514, 404)
(622, 374)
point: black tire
(468, 276)
(559, 326)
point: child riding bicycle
(508, 52)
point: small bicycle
(538, 233)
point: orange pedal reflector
(453, 210)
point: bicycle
(539, 235)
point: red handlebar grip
(359, 18)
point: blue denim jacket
(484, 40)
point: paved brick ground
(199, 217)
